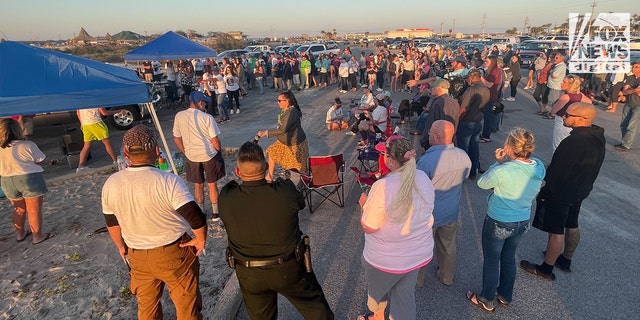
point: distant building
(410, 33)
(237, 35)
(364, 35)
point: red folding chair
(325, 178)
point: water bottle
(122, 164)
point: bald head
(441, 132)
(580, 114)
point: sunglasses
(567, 115)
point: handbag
(497, 107)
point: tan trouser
(178, 268)
(445, 247)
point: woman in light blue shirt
(515, 179)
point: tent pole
(154, 116)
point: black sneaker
(620, 147)
(215, 217)
(535, 270)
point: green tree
(512, 31)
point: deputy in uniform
(265, 246)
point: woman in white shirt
(233, 89)
(22, 180)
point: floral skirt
(290, 157)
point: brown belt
(265, 263)
(177, 241)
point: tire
(126, 121)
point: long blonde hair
(398, 150)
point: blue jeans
(629, 124)
(222, 106)
(490, 121)
(499, 243)
(468, 136)
(422, 122)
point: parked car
(317, 48)
(530, 49)
(259, 48)
(231, 54)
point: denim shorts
(30, 185)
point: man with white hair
(443, 108)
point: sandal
(46, 237)
(501, 300)
(479, 303)
(26, 234)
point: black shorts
(210, 171)
(555, 217)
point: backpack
(544, 73)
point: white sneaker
(215, 217)
(231, 111)
(83, 169)
(512, 99)
(238, 111)
(349, 133)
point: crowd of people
(408, 216)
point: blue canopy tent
(170, 46)
(35, 80)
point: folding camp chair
(325, 178)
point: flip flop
(48, 236)
(479, 303)
(26, 234)
(365, 316)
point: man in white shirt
(195, 132)
(148, 213)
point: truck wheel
(125, 121)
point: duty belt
(265, 263)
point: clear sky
(60, 19)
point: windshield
(534, 46)
(301, 49)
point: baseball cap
(197, 96)
(139, 137)
(382, 146)
(380, 96)
(366, 86)
(387, 94)
(474, 72)
(460, 59)
(442, 83)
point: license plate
(526, 61)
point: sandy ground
(78, 274)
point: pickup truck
(318, 48)
(259, 48)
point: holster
(230, 260)
(303, 252)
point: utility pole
(484, 23)
(441, 29)
(453, 27)
(526, 22)
(593, 7)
